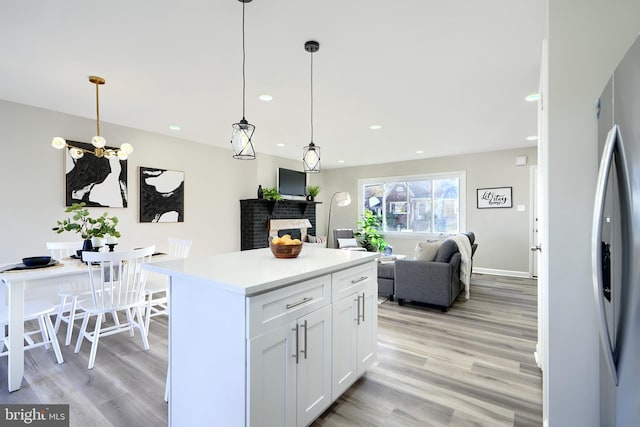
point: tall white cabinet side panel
(207, 335)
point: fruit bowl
(285, 251)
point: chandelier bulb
(75, 153)
(126, 148)
(98, 141)
(58, 143)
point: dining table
(36, 283)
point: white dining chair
(34, 310)
(69, 292)
(117, 285)
(158, 285)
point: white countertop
(257, 271)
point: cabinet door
(345, 345)
(368, 329)
(314, 365)
(272, 378)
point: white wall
(586, 41)
(502, 234)
(32, 176)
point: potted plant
(104, 228)
(369, 234)
(312, 192)
(272, 194)
(82, 223)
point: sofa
(436, 283)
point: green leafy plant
(82, 223)
(313, 190)
(271, 194)
(369, 232)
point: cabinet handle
(305, 339)
(302, 301)
(358, 315)
(363, 304)
(296, 331)
(361, 279)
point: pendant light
(97, 141)
(311, 153)
(243, 131)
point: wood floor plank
(470, 366)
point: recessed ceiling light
(280, 145)
(174, 127)
(532, 97)
(420, 152)
(375, 127)
(340, 161)
(265, 97)
(532, 138)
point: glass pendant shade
(311, 158)
(98, 141)
(241, 140)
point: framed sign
(497, 197)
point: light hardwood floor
(471, 366)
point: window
(431, 204)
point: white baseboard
(496, 272)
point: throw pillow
(426, 251)
(311, 239)
(347, 243)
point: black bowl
(35, 261)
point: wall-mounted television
(292, 184)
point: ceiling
(443, 77)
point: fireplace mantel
(255, 215)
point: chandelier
(97, 141)
(311, 153)
(243, 130)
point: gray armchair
(432, 282)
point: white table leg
(16, 334)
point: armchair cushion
(447, 248)
(426, 251)
(347, 243)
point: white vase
(97, 242)
(111, 240)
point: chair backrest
(118, 280)
(179, 247)
(59, 250)
(342, 233)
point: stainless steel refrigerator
(616, 243)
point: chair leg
(147, 313)
(53, 338)
(94, 343)
(140, 323)
(71, 318)
(63, 302)
(43, 332)
(83, 332)
(130, 322)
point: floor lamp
(342, 198)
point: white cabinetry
(289, 373)
(355, 312)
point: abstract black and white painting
(97, 181)
(161, 195)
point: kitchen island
(255, 340)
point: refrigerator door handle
(596, 246)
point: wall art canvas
(97, 181)
(498, 197)
(161, 195)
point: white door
(314, 365)
(345, 335)
(272, 378)
(534, 254)
(367, 329)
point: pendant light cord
(311, 96)
(243, 61)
